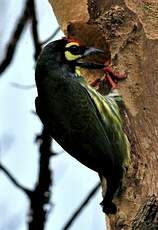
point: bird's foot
(108, 207)
(115, 75)
(110, 82)
(110, 76)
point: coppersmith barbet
(85, 123)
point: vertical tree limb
(127, 30)
(40, 200)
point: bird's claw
(109, 80)
(111, 77)
(115, 75)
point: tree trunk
(128, 31)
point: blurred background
(19, 127)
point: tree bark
(128, 31)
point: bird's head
(70, 52)
(67, 53)
(75, 52)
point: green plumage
(85, 123)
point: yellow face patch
(68, 55)
(71, 57)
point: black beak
(89, 65)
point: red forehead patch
(73, 40)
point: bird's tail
(114, 185)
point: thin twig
(15, 37)
(51, 37)
(82, 206)
(35, 36)
(21, 86)
(14, 181)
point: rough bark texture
(128, 31)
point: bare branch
(40, 200)
(14, 181)
(21, 86)
(82, 206)
(15, 37)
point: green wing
(109, 115)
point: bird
(85, 123)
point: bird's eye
(74, 49)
